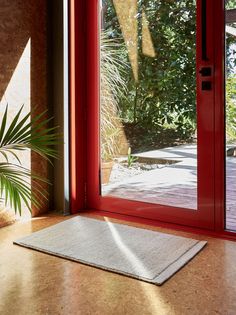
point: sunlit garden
(148, 92)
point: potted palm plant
(16, 180)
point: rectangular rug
(139, 253)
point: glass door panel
(151, 123)
(230, 111)
(148, 115)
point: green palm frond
(22, 134)
(15, 187)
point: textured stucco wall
(23, 64)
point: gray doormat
(143, 254)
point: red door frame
(77, 92)
(85, 88)
(219, 161)
(201, 218)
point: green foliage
(15, 186)
(15, 180)
(165, 94)
(230, 81)
(130, 159)
(231, 108)
(230, 4)
(112, 86)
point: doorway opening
(166, 153)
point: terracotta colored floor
(35, 283)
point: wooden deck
(176, 184)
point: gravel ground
(121, 171)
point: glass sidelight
(230, 112)
(148, 115)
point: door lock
(206, 71)
(206, 85)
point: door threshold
(228, 235)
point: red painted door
(182, 190)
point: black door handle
(204, 30)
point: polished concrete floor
(35, 283)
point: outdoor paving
(231, 193)
(174, 184)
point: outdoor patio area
(173, 183)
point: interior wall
(39, 79)
(33, 29)
(23, 75)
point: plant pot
(106, 171)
